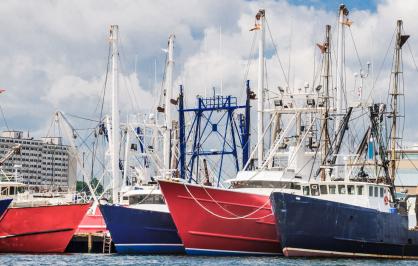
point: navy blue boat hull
(3, 205)
(141, 231)
(320, 228)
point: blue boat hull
(141, 231)
(320, 228)
(3, 205)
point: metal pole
(260, 89)
(114, 32)
(326, 76)
(343, 12)
(168, 84)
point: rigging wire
(277, 55)
(4, 118)
(381, 67)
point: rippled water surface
(99, 259)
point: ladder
(107, 243)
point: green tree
(81, 186)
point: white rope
(258, 208)
(228, 218)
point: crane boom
(14, 150)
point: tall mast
(342, 22)
(168, 88)
(325, 49)
(260, 17)
(115, 136)
(400, 41)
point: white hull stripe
(92, 226)
(232, 251)
(150, 244)
(346, 254)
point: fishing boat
(40, 229)
(142, 223)
(36, 222)
(358, 215)
(343, 219)
(237, 220)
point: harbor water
(114, 259)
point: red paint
(200, 229)
(92, 222)
(42, 229)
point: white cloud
(54, 53)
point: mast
(126, 160)
(325, 49)
(260, 17)
(115, 135)
(342, 22)
(400, 41)
(168, 88)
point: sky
(54, 53)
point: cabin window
(305, 190)
(341, 189)
(381, 192)
(370, 191)
(350, 190)
(332, 189)
(314, 190)
(125, 197)
(323, 189)
(376, 191)
(359, 190)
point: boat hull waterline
(40, 229)
(221, 222)
(312, 227)
(141, 231)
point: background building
(45, 162)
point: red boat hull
(93, 222)
(214, 221)
(41, 229)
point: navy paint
(151, 231)
(3, 205)
(310, 223)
